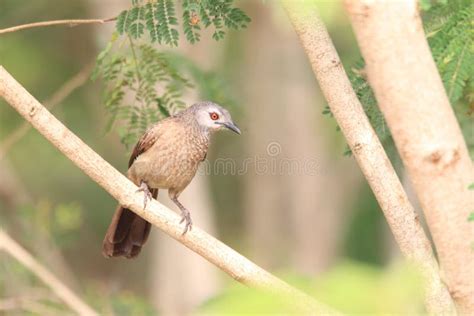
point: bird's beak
(232, 127)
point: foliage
(450, 30)
(159, 19)
(137, 95)
(117, 302)
(349, 287)
(143, 85)
(59, 222)
(452, 44)
(450, 34)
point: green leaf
(167, 17)
(155, 85)
(136, 27)
(120, 26)
(152, 22)
(471, 217)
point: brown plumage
(167, 156)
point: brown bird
(167, 156)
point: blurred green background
(320, 228)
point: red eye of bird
(214, 116)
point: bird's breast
(172, 163)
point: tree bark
(231, 262)
(367, 149)
(411, 95)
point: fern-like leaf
(167, 16)
(136, 27)
(152, 22)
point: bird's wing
(144, 143)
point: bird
(167, 156)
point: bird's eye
(214, 116)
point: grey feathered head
(212, 116)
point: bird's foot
(186, 217)
(147, 196)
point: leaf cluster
(450, 34)
(141, 88)
(158, 18)
(144, 84)
(452, 43)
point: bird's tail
(126, 234)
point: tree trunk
(367, 149)
(411, 95)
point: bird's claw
(147, 196)
(186, 217)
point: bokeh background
(318, 227)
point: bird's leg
(185, 215)
(147, 196)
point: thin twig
(219, 254)
(59, 96)
(27, 260)
(71, 23)
(368, 150)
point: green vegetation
(363, 287)
(153, 85)
(450, 34)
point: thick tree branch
(367, 149)
(71, 23)
(62, 93)
(61, 290)
(231, 262)
(411, 95)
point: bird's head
(213, 117)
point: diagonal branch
(228, 260)
(61, 290)
(368, 150)
(71, 23)
(411, 95)
(62, 93)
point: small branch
(231, 262)
(62, 291)
(411, 95)
(71, 23)
(368, 150)
(59, 96)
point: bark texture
(231, 262)
(411, 95)
(368, 150)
